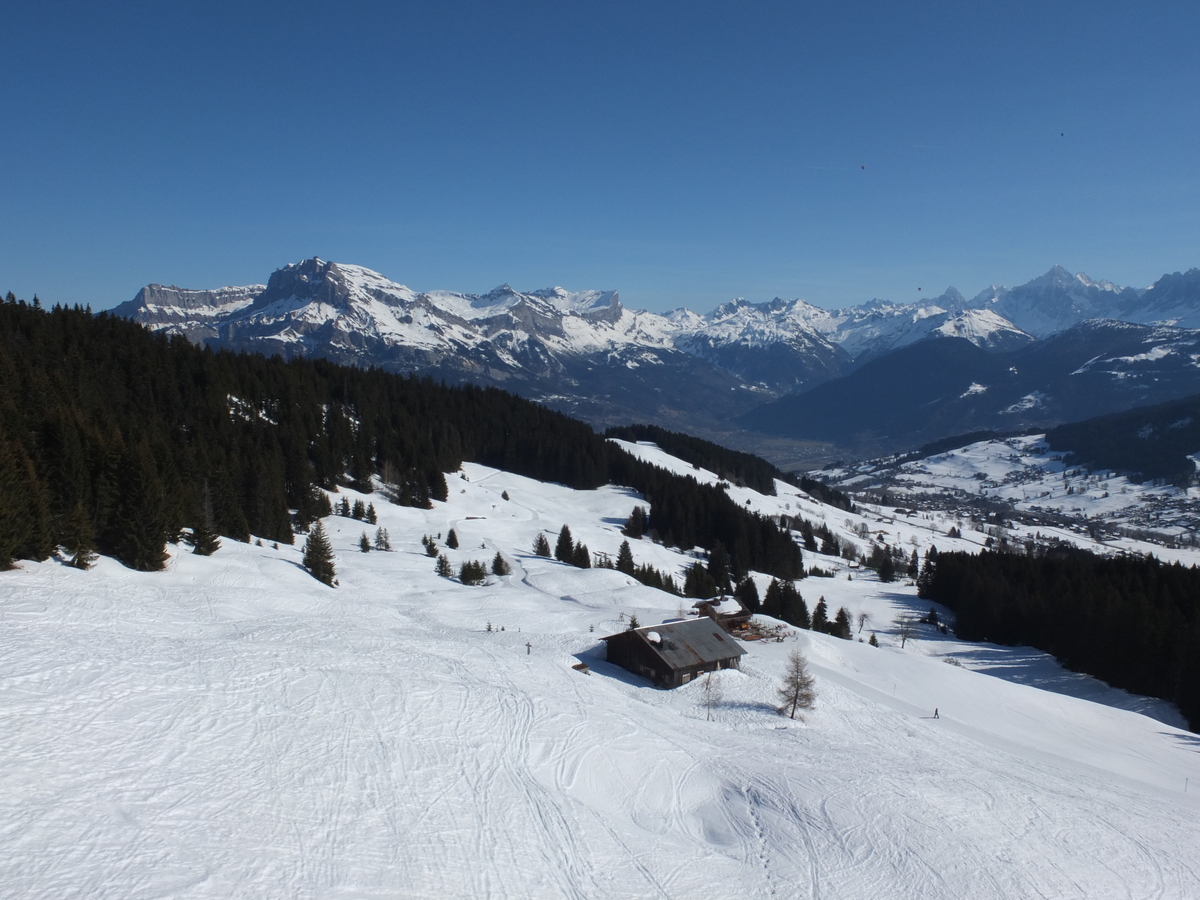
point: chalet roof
(682, 645)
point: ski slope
(232, 728)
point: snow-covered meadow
(232, 728)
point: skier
(935, 713)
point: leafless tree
(712, 696)
(906, 627)
(863, 619)
(797, 690)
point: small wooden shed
(674, 653)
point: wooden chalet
(674, 653)
(726, 612)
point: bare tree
(797, 690)
(906, 627)
(863, 619)
(712, 696)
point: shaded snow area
(231, 728)
(1049, 498)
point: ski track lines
(232, 729)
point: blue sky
(680, 153)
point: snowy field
(231, 728)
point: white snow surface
(232, 728)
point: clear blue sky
(682, 153)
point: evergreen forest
(1133, 622)
(117, 440)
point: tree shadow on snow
(1189, 741)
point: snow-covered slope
(231, 728)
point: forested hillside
(1152, 441)
(1133, 622)
(117, 439)
(740, 468)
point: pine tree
(203, 540)
(430, 545)
(634, 624)
(773, 602)
(541, 546)
(841, 624)
(698, 583)
(472, 572)
(887, 569)
(452, 540)
(364, 543)
(80, 538)
(318, 556)
(874, 641)
(564, 550)
(443, 566)
(820, 617)
(359, 511)
(344, 507)
(914, 565)
(925, 579)
(500, 565)
(382, 541)
(797, 691)
(580, 557)
(372, 515)
(747, 594)
(625, 559)
(635, 525)
(793, 609)
(718, 567)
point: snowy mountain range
(585, 353)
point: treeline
(118, 439)
(1150, 442)
(742, 469)
(1133, 622)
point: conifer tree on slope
(564, 550)
(318, 556)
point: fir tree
(318, 556)
(500, 565)
(344, 507)
(382, 541)
(372, 515)
(541, 546)
(873, 641)
(472, 572)
(841, 624)
(359, 511)
(443, 566)
(793, 609)
(635, 525)
(580, 557)
(364, 543)
(80, 538)
(718, 567)
(747, 594)
(887, 569)
(564, 550)
(698, 583)
(452, 540)
(625, 559)
(430, 545)
(820, 617)
(773, 602)
(928, 572)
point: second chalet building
(674, 653)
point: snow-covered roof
(693, 642)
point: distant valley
(787, 379)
